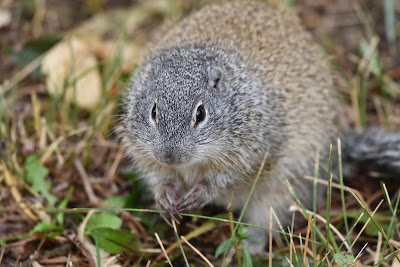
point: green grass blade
(346, 225)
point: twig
(115, 164)
(86, 184)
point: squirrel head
(182, 106)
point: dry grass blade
(307, 238)
(292, 247)
(322, 219)
(270, 238)
(2, 254)
(366, 223)
(12, 183)
(289, 262)
(291, 243)
(367, 55)
(36, 115)
(50, 149)
(359, 253)
(196, 232)
(22, 74)
(378, 248)
(197, 251)
(301, 242)
(163, 249)
(353, 191)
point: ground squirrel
(224, 87)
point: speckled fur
(275, 96)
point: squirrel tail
(371, 150)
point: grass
(67, 196)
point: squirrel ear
(214, 76)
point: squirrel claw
(194, 199)
(164, 217)
(166, 201)
(176, 212)
(171, 214)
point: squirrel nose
(170, 157)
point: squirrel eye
(200, 114)
(154, 112)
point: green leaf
(391, 90)
(373, 58)
(225, 246)
(343, 259)
(247, 261)
(117, 202)
(63, 204)
(371, 228)
(43, 227)
(35, 176)
(114, 241)
(103, 220)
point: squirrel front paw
(170, 199)
(195, 198)
(166, 199)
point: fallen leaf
(5, 18)
(102, 33)
(71, 69)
